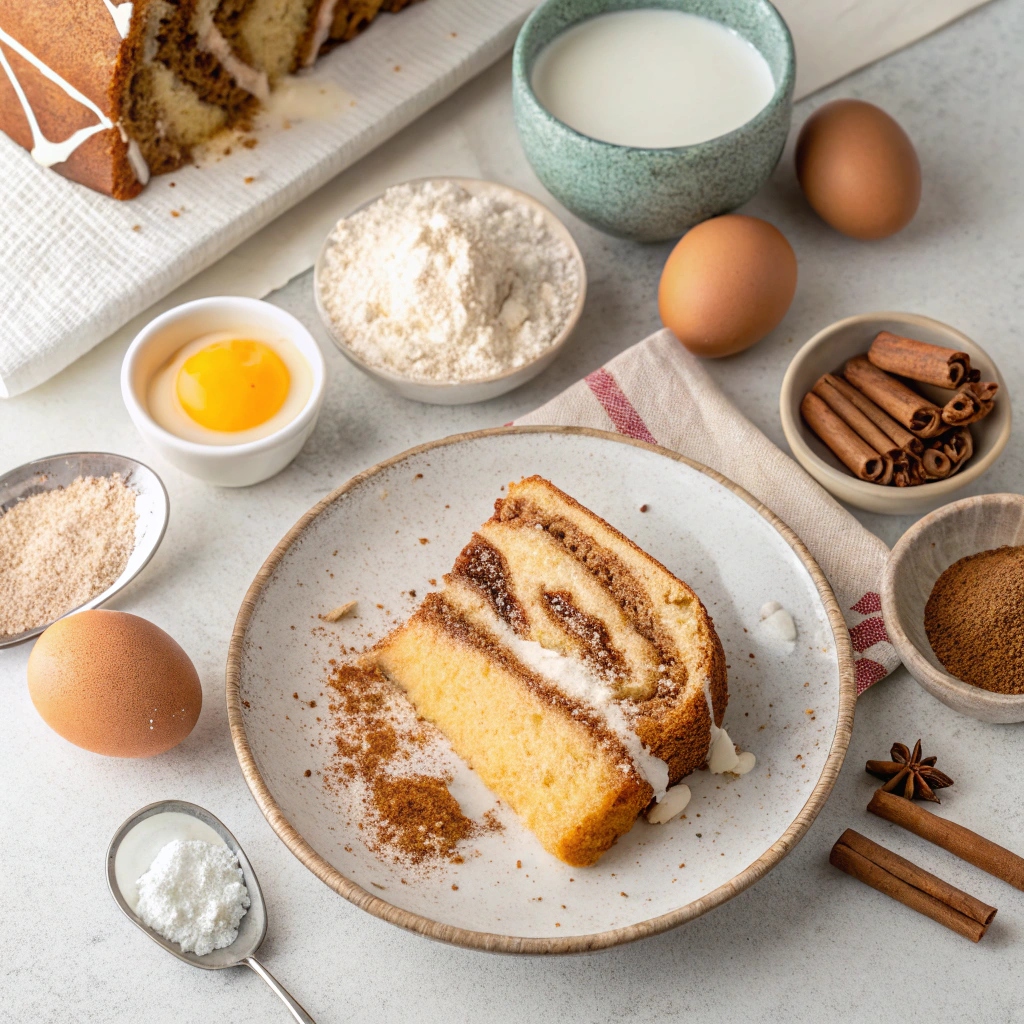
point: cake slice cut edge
(571, 670)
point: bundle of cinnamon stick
(883, 430)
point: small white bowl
(920, 556)
(465, 392)
(826, 352)
(233, 465)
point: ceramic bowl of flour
(506, 290)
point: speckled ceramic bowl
(920, 556)
(654, 194)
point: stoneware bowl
(229, 465)
(826, 352)
(467, 391)
(654, 194)
(920, 556)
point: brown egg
(726, 284)
(114, 683)
(858, 169)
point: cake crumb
(335, 614)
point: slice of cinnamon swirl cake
(574, 673)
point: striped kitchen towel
(657, 392)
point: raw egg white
(224, 388)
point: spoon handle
(297, 1011)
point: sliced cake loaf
(573, 672)
(107, 93)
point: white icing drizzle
(135, 158)
(43, 150)
(46, 152)
(122, 15)
(321, 30)
(722, 753)
(575, 680)
(248, 78)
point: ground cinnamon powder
(60, 548)
(383, 751)
(974, 619)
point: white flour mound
(194, 894)
(434, 283)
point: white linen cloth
(76, 265)
(657, 392)
(73, 269)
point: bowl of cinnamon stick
(894, 412)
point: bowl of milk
(644, 120)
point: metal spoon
(151, 507)
(251, 929)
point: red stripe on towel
(868, 673)
(619, 408)
(868, 633)
(869, 603)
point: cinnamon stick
(855, 419)
(908, 471)
(971, 403)
(930, 364)
(912, 886)
(967, 845)
(957, 445)
(881, 419)
(856, 454)
(936, 464)
(915, 412)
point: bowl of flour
(450, 290)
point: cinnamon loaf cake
(107, 93)
(574, 673)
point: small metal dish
(920, 556)
(464, 392)
(152, 508)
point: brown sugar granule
(419, 817)
(974, 619)
(410, 815)
(60, 548)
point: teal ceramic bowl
(654, 194)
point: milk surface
(652, 79)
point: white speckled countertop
(805, 944)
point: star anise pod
(917, 775)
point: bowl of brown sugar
(953, 603)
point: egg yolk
(233, 385)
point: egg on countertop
(114, 683)
(726, 284)
(858, 169)
(221, 389)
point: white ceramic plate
(791, 704)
